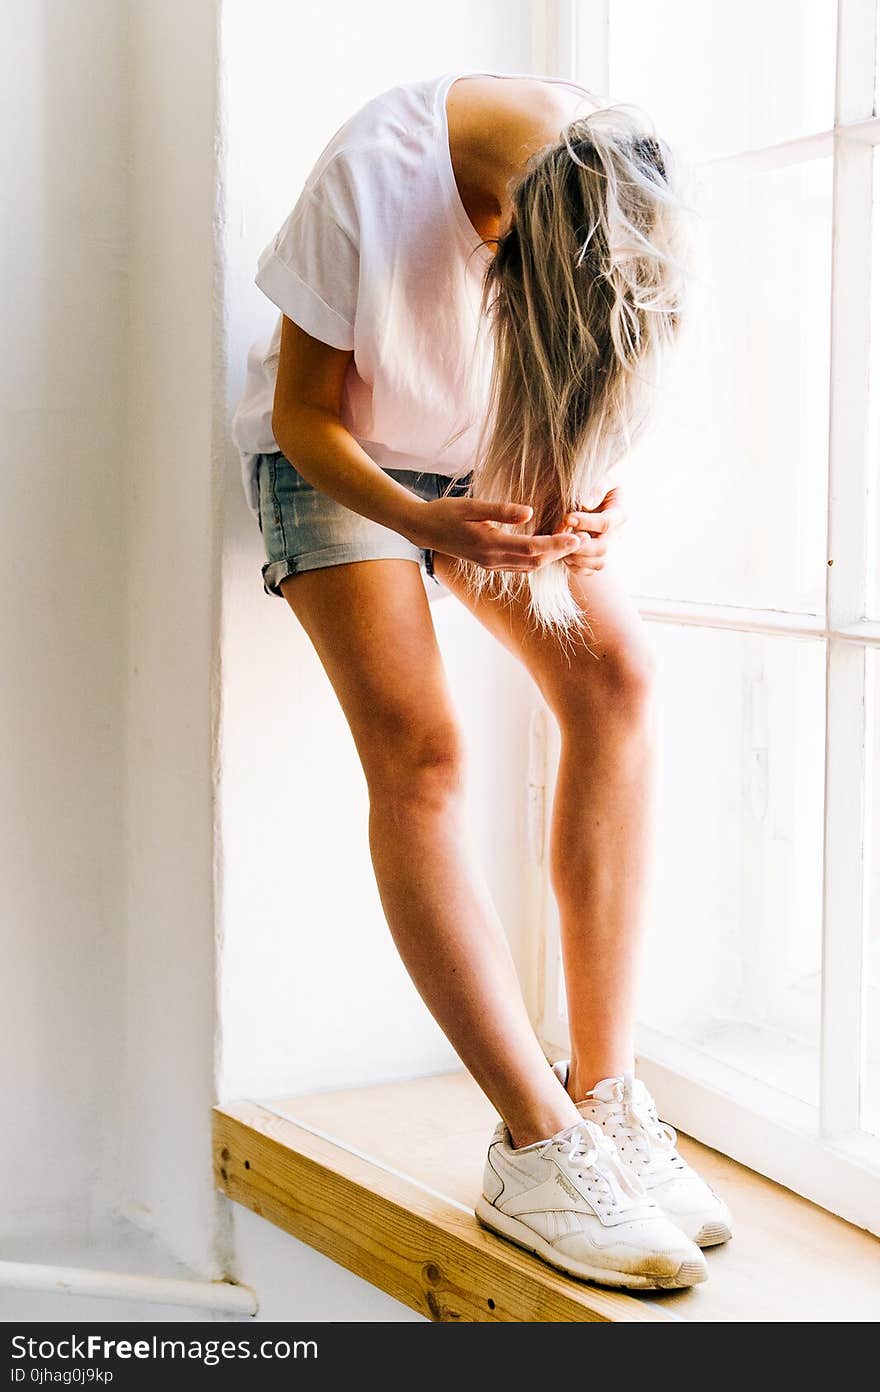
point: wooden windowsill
(383, 1179)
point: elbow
(278, 427)
(294, 427)
(284, 429)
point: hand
(594, 530)
(473, 530)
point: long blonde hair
(582, 295)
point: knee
(416, 765)
(628, 676)
(614, 690)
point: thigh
(613, 638)
(370, 624)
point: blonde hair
(583, 294)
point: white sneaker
(569, 1200)
(627, 1113)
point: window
(759, 1017)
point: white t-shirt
(380, 257)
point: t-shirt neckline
(474, 242)
(459, 212)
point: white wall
(313, 994)
(173, 598)
(107, 611)
(63, 156)
(294, 1282)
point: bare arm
(307, 427)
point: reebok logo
(568, 1187)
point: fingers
(596, 523)
(603, 520)
(478, 511)
(525, 553)
(589, 545)
(590, 554)
(532, 552)
(584, 563)
(579, 542)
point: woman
(474, 286)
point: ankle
(583, 1076)
(542, 1124)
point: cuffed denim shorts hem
(304, 529)
(276, 571)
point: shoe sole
(690, 1273)
(712, 1235)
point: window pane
(873, 595)
(871, 1080)
(734, 948)
(729, 485)
(727, 76)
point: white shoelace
(593, 1158)
(639, 1125)
(635, 1126)
(641, 1113)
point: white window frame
(821, 1153)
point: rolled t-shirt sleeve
(310, 270)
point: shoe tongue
(608, 1090)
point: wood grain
(417, 1246)
(789, 1261)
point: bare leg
(370, 624)
(601, 812)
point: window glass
(727, 76)
(728, 503)
(733, 963)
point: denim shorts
(304, 529)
